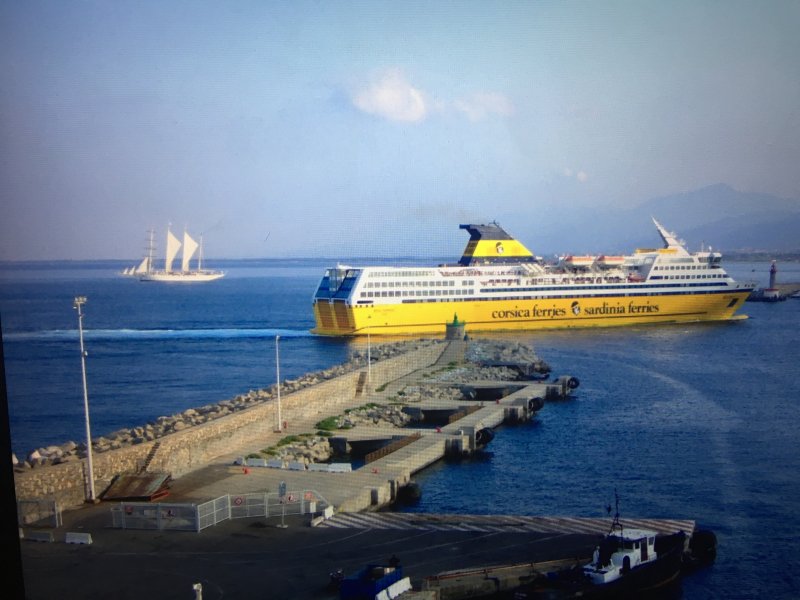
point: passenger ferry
(499, 285)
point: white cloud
(480, 105)
(581, 176)
(392, 97)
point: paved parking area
(253, 558)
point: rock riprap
(164, 425)
(486, 361)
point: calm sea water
(696, 421)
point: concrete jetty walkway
(375, 485)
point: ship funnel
(490, 244)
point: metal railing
(392, 447)
(165, 516)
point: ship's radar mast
(670, 241)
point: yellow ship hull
(340, 319)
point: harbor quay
(84, 550)
(187, 446)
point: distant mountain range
(717, 216)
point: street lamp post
(369, 358)
(79, 302)
(279, 426)
(369, 365)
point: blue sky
(374, 128)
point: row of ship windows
(594, 288)
(426, 293)
(713, 276)
(411, 293)
(561, 296)
(680, 268)
(469, 282)
(399, 274)
(393, 274)
(403, 284)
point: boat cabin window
(346, 284)
(631, 544)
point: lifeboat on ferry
(578, 261)
(610, 261)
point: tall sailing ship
(146, 270)
(499, 285)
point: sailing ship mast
(189, 248)
(200, 254)
(146, 270)
(146, 266)
(173, 246)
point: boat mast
(200, 254)
(615, 524)
(151, 247)
(167, 268)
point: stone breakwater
(166, 425)
(335, 402)
(417, 393)
(475, 373)
(219, 440)
(487, 360)
(492, 352)
(308, 448)
(479, 355)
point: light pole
(369, 365)
(279, 426)
(78, 303)
(369, 359)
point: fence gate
(248, 505)
(294, 503)
(213, 512)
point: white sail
(143, 267)
(173, 246)
(189, 248)
(146, 271)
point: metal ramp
(145, 487)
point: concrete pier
(375, 485)
(446, 555)
(479, 407)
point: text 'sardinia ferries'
(499, 285)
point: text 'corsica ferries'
(499, 285)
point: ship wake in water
(154, 334)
